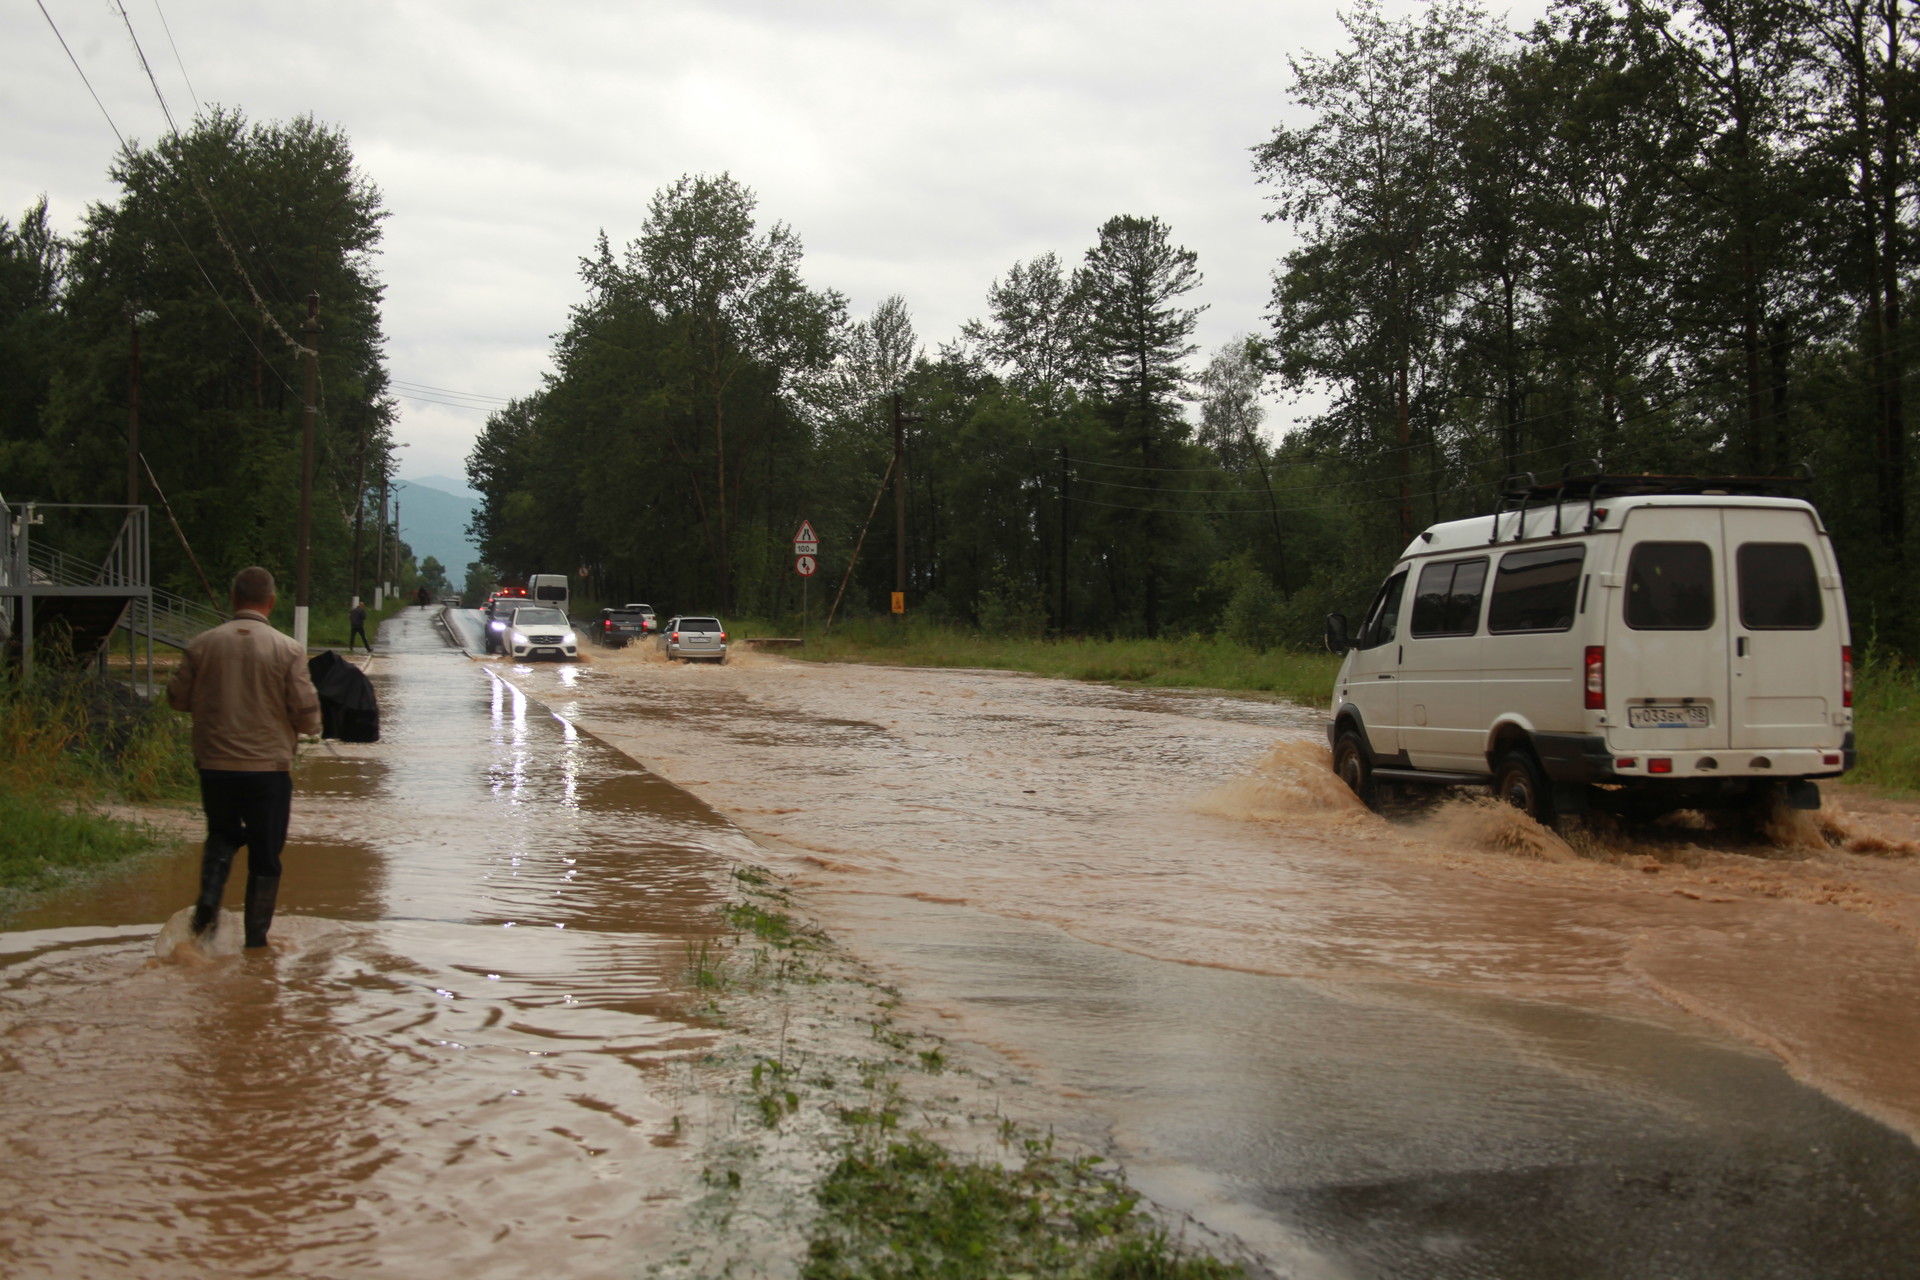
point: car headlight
(498, 626)
(518, 638)
(567, 638)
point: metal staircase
(69, 605)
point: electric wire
(219, 231)
(168, 217)
(177, 60)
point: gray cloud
(917, 150)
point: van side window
(1536, 590)
(1383, 619)
(1670, 587)
(1779, 590)
(1448, 600)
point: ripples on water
(456, 1061)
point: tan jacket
(248, 690)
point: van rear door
(1668, 634)
(1787, 629)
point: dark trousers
(359, 632)
(250, 809)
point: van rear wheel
(1354, 763)
(1518, 781)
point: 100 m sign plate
(1669, 717)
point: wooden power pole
(303, 589)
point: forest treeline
(197, 276)
(1633, 238)
(1646, 239)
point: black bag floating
(348, 710)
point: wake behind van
(1633, 643)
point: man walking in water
(247, 688)
(357, 619)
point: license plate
(1693, 717)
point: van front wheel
(1354, 765)
(1518, 781)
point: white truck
(1632, 643)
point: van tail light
(1846, 675)
(1596, 677)
(723, 637)
(676, 637)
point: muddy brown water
(1449, 1045)
(458, 1059)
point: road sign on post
(806, 542)
(805, 565)
(899, 602)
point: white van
(1633, 643)
(548, 589)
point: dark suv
(617, 628)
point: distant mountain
(446, 484)
(434, 512)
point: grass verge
(907, 1208)
(1195, 662)
(68, 743)
(1886, 697)
(861, 1148)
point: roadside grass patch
(908, 1208)
(41, 845)
(1886, 700)
(1193, 662)
(769, 926)
(70, 741)
(833, 1148)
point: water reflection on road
(457, 1062)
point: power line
(449, 391)
(178, 61)
(171, 224)
(416, 398)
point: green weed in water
(909, 1209)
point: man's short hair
(253, 586)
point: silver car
(694, 637)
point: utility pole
(900, 422)
(1065, 462)
(359, 506)
(380, 544)
(303, 593)
(133, 407)
(393, 583)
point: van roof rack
(1523, 491)
(1524, 487)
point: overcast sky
(917, 149)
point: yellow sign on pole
(899, 602)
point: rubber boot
(261, 891)
(216, 859)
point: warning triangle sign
(806, 533)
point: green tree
(1371, 185)
(219, 235)
(1135, 340)
(32, 269)
(738, 306)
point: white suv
(536, 631)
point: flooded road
(1455, 1046)
(458, 1059)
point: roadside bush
(1011, 610)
